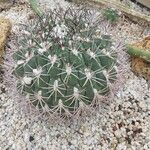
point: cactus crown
(64, 63)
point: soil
(140, 66)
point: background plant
(64, 63)
(111, 14)
(35, 8)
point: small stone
(121, 146)
(69, 143)
(31, 138)
(127, 130)
(118, 133)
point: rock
(140, 66)
(5, 27)
(6, 4)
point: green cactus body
(62, 71)
(111, 15)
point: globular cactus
(64, 63)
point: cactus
(110, 14)
(36, 9)
(64, 63)
(138, 52)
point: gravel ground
(123, 125)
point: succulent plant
(35, 8)
(138, 52)
(64, 63)
(110, 14)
